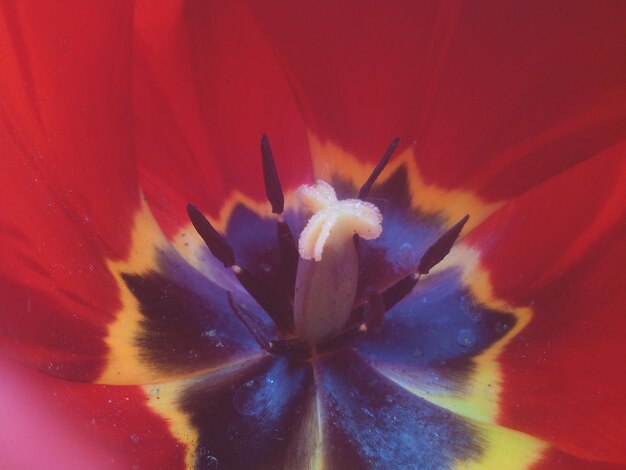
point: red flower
(513, 114)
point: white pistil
(328, 267)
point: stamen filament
(399, 290)
(288, 253)
(252, 324)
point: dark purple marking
(422, 331)
(276, 305)
(252, 417)
(370, 422)
(186, 322)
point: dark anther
(289, 254)
(218, 245)
(372, 307)
(375, 310)
(252, 323)
(399, 290)
(274, 191)
(273, 188)
(276, 306)
(365, 189)
(438, 250)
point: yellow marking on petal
(479, 400)
(486, 384)
(505, 449)
(124, 364)
(163, 400)
(305, 452)
(318, 461)
(329, 159)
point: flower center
(317, 311)
(328, 269)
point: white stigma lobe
(333, 221)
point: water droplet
(502, 327)
(78, 205)
(417, 352)
(134, 437)
(466, 338)
(407, 255)
(244, 399)
(204, 455)
(467, 305)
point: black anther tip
(439, 250)
(218, 245)
(273, 189)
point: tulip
(177, 292)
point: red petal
(560, 249)
(70, 425)
(557, 460)
(564, 379)
(535, 238)
(492, 96)
(67, 178)
(207, 86)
